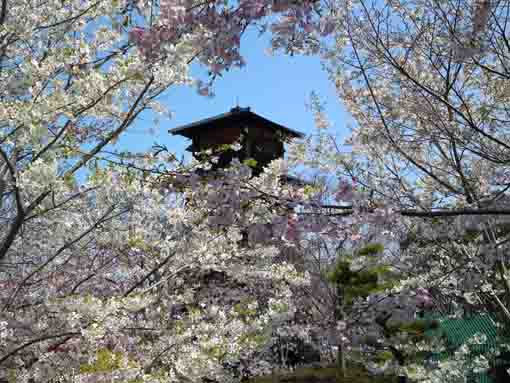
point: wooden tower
(261, 140)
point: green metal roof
(457, 331)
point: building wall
(261, 143)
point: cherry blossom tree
(425, 84)
(136, 267)
(119, 266)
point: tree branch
(34, 341)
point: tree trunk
(275, 375)
(339, 316)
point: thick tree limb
(64, 247)
(348, 210)
(453, 212)
(113, 135)
(16, 226)
(3, 14)
(151, 273)
(34, 341)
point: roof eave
(186, 130)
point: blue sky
(276, 87)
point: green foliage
(70, 181)
(310, 190)
(360, 291)
(280, 307)
(11, 375)
(364, 282)
(258, 337)
(383, 356)
(222, 147)
(179, 327)
(353, 374)
(416, 328)
(106, 361)
(371, 249)
(341, 273)
(244, 311)
(136, 241)
(418, 357)
(217, 352)
(251, 162)
(195, 312)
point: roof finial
(237, 102)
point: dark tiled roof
(234, 115)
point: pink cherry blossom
(345, 191)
